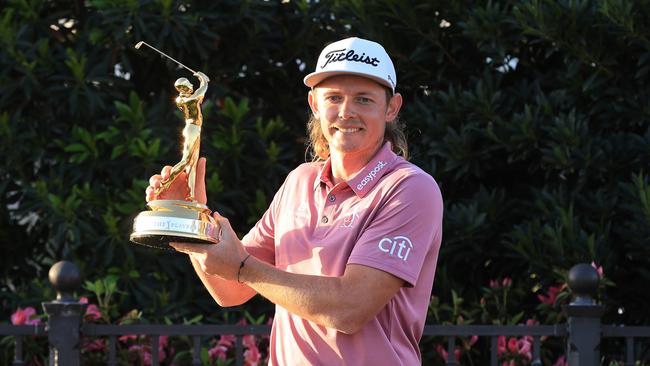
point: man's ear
(311, 98)
(394, 106)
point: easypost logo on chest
(350, 55)
(398, 246)
(371, 176)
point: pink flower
(512, 345)
(26, 316)
(94, 345)
(561, 361)
(598, 269)
(163, 340)
(249, 341)
(553, 291)
(136, 348)
(220, 350)
(217, 352)
(501, 345)
(457, 353)
(143, 352)
(494, 284)
(252, 356)
(523, 346)
(126, 338)
(146, 358)
(507, 282)
(473, 339)
(227, 340)
(93, 313)
(444, 354)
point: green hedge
(532, 116)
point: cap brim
(316, 78)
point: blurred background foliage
(531, 115)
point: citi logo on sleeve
(399, 246)
(371, 176)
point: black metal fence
(65, 328)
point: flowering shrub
(515, 351)
(136, 349)
(34, 348)
(255, 348)
(92, 311)
(26, 316)
(501, 304)
(139, 349)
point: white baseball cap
(354, 56)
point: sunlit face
(353, 112)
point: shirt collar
(363, 182)
(324, 176)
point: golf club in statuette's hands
(180, 220)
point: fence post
(64, 316)
(583, 345)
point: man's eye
(363, 100)
(333, 98)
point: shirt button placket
(326, 215)
(328, 210)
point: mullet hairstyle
(319, 149)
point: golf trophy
(177, 220)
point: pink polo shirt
(389, 217)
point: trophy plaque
(180, 220)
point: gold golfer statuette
(180, 220)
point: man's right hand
(178, 190)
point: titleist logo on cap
(341, 55)
(355, 56)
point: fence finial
(65, 278)
(583, 281)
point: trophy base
(174, 221)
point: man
(348, 248)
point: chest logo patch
(398, 246)
(350, 219)
(302, 212)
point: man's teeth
(347, 130)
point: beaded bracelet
(241, 265)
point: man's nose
(346, 110)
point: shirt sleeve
(405, 230)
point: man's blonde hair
(319, 148)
